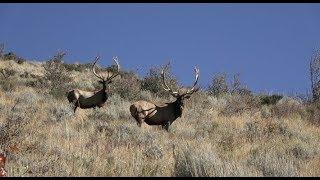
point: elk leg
(139, 118)
(139, 122)
(166, 126)
(76, 105)
(75, 108)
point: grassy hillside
(228, 135)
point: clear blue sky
(270, 45)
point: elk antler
(109, 77)
(192, 90)
(166, 88)
(93, 70)
(113, 75)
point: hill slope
(226, 136)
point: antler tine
(196, 70)
(113, 75)
(115, 58)
(166, 88)
(163, 81)
(93, 69)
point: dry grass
(42, 137)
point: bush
(313, 112)
(286, 107)
(118, 108)
(128, 86)
(59, 112)
(7, 72)
(154, 152)
(253, 131)
(270, 100)
(218, 85)
(58, 80)
(237, 87)
(9, 56)
(10, 83)
(153, 82)
(273, 163)
(14, 57)
(85, 85)
(28, 97)
(36, 83)
(204, 162)
(31, 80)
(146, 95)
(15, 121)
(20, 60)
(77, 67)
(238, 104)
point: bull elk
(164, 115)
(93, 99)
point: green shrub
(273, 162)
(9, 56)
(8, 81)
(238, 104)
(218, 86)
(313, 112)
(153, 82)
(286, 106)
(270, 100)
(58, 80)
(20, 60)
(14, 57)
(128, 86)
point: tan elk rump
(164, 115)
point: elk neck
(104, 90)
(178, 107)
(104, 86)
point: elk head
(180, 95)
(108, 79)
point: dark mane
(177, 109)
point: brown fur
(164, 115)
(92, 99)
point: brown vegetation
(226, 135)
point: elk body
(93, 99)
(164, 115)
